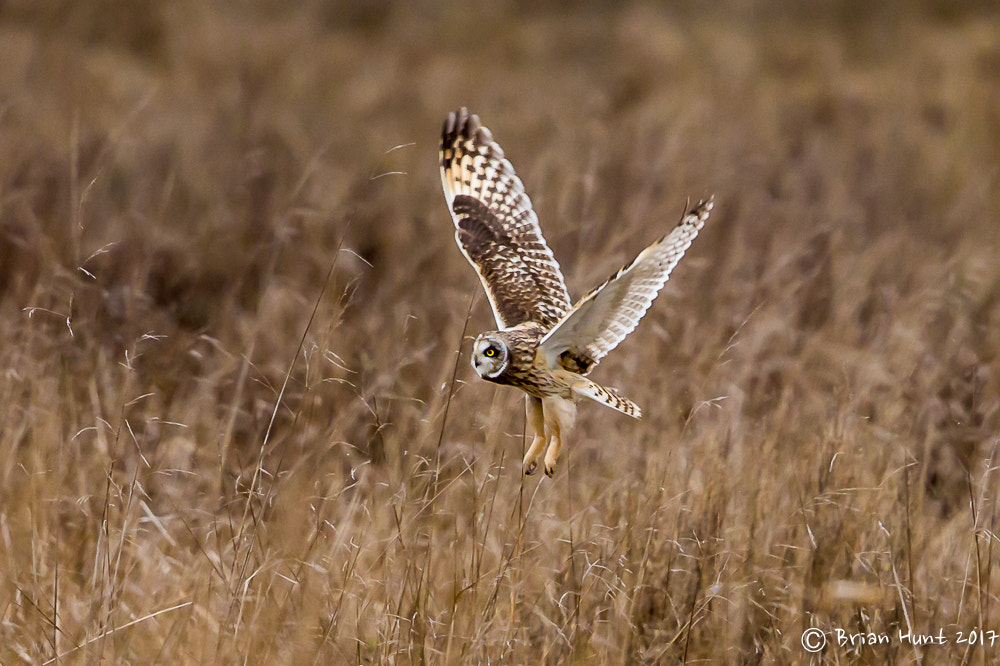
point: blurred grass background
(182, 481)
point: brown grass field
(237, 419)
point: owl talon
(550, 470)
(530, 468)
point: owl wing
(496, 228)
(607, 314)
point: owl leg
(533, 410)
(560, 415)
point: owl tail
(588, 389)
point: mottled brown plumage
(524, 369)
(544, 347)
(496, 227)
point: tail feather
(589, 389)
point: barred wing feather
(496, 227)
(602, 318)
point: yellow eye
(490, 352)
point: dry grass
(195, 469)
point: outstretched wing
(496, 228)
(606, 315)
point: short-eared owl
(545, 345)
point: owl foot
(550, 468)
(530, 462)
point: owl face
(490, 356)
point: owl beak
(480, 367)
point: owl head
(490, 356)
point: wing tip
(463, 134)
(457, 121)
(462, 126)
(698, 214)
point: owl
(544, 345)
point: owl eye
(490, 352)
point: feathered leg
(536, 420)
(560, 415)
